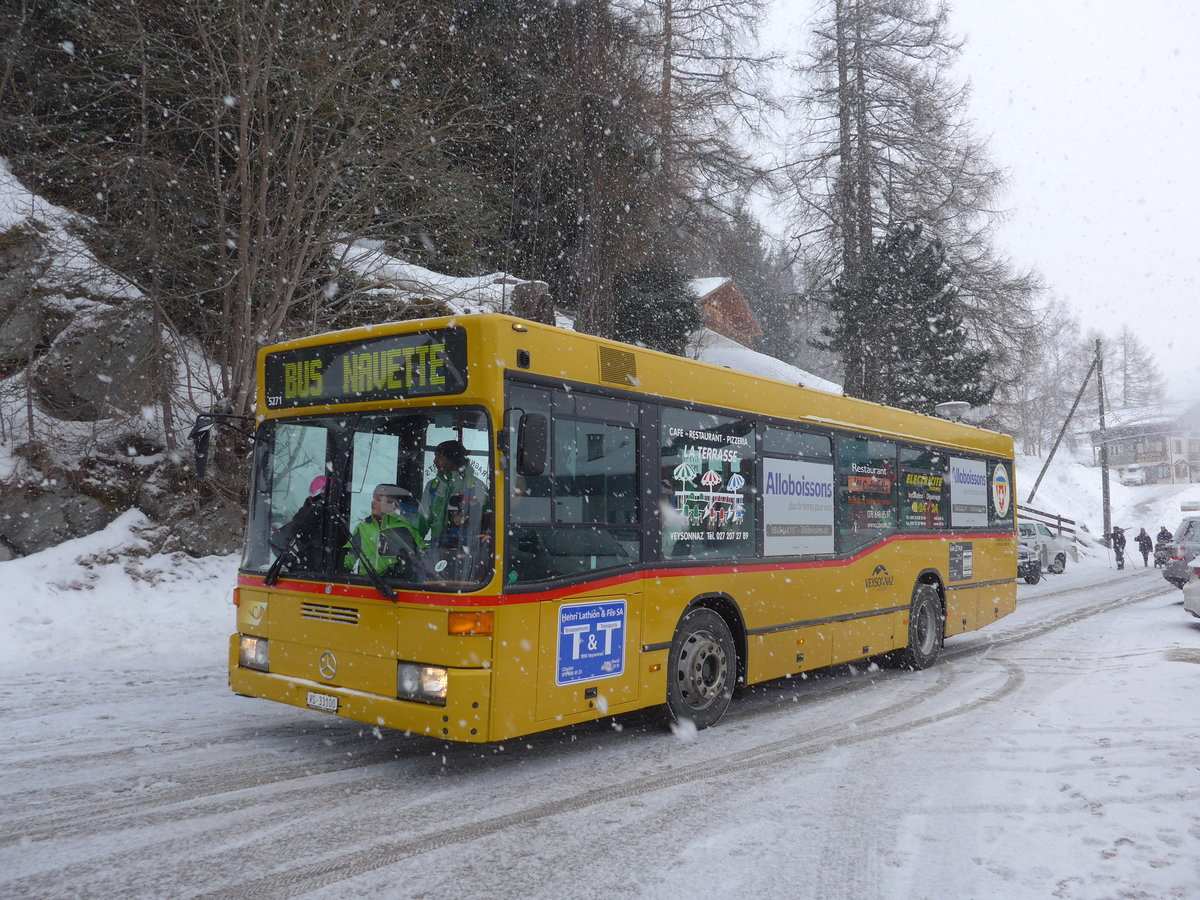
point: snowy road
(1051, 755)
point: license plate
(323, 702)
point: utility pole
(1062, 431)
(1103, 445)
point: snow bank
(107, 596)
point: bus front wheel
(701, 669)
(926, 627)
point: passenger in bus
(454, 477)
(455, 531)
(301, 536)
(388, 539)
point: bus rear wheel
(701, 669)
(926, 627)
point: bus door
(574, 535)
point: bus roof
(571, 356)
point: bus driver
(386, 539)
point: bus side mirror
(532, 432)
(199, 435)
(202, 431)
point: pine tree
(899, 328)
(656, 307)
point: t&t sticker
(591, 641)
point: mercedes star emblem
(327, 664)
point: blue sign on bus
(591, 641)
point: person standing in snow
(1117, 537)
(1145, 545)
(1162, 545)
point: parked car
(1029, 566)
(1178, 569)
(1051, 549)
(1133, 474)
(1191, 594)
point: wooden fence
(1060, 524)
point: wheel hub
(702, 669)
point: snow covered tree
(899, 328)
(1130, 373)
(710, 94)
(1051, 364)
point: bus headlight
(252, 653)
(424, 683)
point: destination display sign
(423, 364)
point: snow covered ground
(1050, 755)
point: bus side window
(922, 490)
(866, 507)
(707, 479)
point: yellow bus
(480, 527)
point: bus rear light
(470, 623)
(252, 653)
(426, 684)
(237, 597)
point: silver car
(1191, 597)
(1178, 569)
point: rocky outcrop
(22, 262)
(32, 520)
(92, 359)
(28, 322)
(100, 365)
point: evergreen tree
(899, 328)
(656, 307)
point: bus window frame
(563, 401)
(648, 429)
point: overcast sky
(1093, 106)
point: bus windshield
(395, 499)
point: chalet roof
(1140, 418)
(705, 286)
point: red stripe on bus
(423, 598)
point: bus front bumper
(463, 718)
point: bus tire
(926, 627)
(701, 669)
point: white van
(1051, 549)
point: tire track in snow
(198, 800)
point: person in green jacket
(455, 478)
(387, 537)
